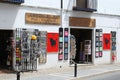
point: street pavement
(63, 73)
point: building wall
(107, 17)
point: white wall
(108, 23)
(109, 6)
(118, 45)
(13, 16)
(104, 6)
(56, 4)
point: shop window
(86, 5)
(13, 1)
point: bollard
(18, 75)
(75, 70)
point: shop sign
(31, 18)
(13, 1)
(82, 22)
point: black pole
(61, 4)
(75, 70)
(61, 12)
(18, 75)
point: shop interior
(6, 49)
(83, 38)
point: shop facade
(95, 36)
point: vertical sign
(100, 43)
(66, 44)
(113, 39)
(99, 48)
(52, 42)
(113, 46)
(106, 41)
(60, 54)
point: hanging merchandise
(66, 44)
(43, 49)
(30, 45)
(25, 47)
(113, 39)
(37, 37)
(33, 50)
(60, 54)
(87, 50)
(18, 47)
(72, 48)
(98, 43)
(113, 46)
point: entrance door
(6, 37)
(83, 38)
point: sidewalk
(66, 73)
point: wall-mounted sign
(32, 18)
(13, 1)
(52, 42)
(82, 22)
(106, 41)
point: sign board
(82, 22)
(32, 18)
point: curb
(94, 74)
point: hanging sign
(106, 41)
(52, 42)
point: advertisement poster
(52, 42)
(106, 41)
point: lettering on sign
(31, 18)
(82, 22)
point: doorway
(83, 40)
(6, 51)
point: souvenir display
(113, 46)
(18, 46)
(72, 47)
(30, 45)
(98, 43)
(60, 53)
(43, 49)
(66, 44)
(113, 40)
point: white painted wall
(109, 6)
(13, 16)
(104, 6)
(118, 45)
(16, 19)
(56, 4)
